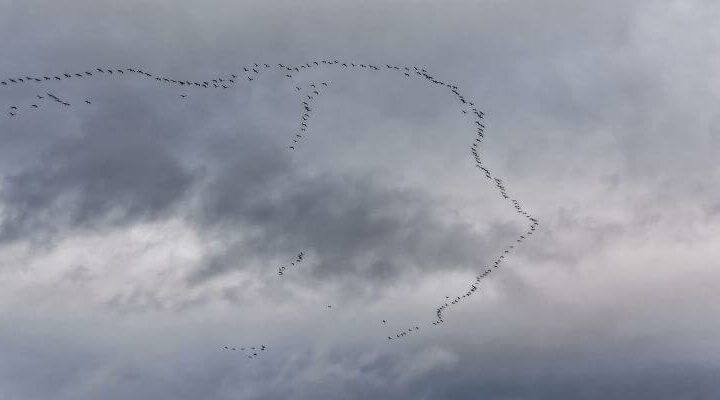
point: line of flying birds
(298, 259)
(253, 351)
(251, 72)
(305, 116)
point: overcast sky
(142, 232)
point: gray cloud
(117, 166)
(142, 233)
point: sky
(142, 227)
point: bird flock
(404, 333)
(298, 259)
(36, 105)
(251, 351)
(314, 90)
(250, 73)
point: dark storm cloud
(116, 165)
(356, 228)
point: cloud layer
(143, 231)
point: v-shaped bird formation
(251, 73)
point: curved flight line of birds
(314, 90)
(253, 351)
(251, 72)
